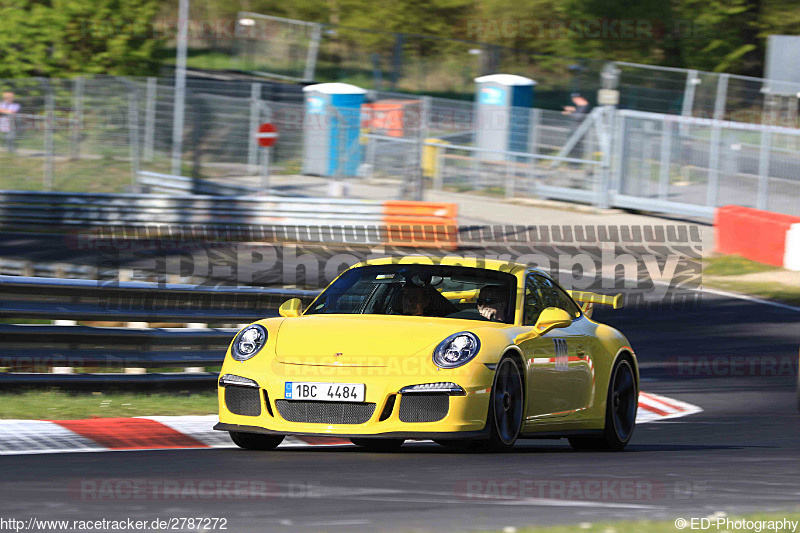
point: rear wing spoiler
(589, 298)
(586, 298)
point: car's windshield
(421, 290)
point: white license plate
(326, 392)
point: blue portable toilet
(331, 129)
(501, 122)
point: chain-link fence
(694, 165)
(71, 134)
(556, 149)
(96, 135)
(720, 96)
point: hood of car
(362, 340)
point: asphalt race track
(740, 454)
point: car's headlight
(248, 342)
(456, 350)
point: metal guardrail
(87, 346)
(70, 299)
(18, 267)
(57, 209)
(157, 183)
(245, 217)
(31, 347)
(94, 382)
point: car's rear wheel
(255, 441)
(621, 407)
(377, 445)
(506, 406)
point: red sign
(267, 135)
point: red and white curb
(186, 432)
(653, 407)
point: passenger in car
(415, 300)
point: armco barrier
(418, 224)
(758, 235)
(35, 347)
(111, 347)
(77, 299)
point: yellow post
(430, 157)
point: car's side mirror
(290, 308)
(550, 318)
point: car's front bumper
(465, 414)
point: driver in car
(492, 303)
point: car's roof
(470, 262)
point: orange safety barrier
(752, 233)
(421, 224)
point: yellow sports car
(467, 352)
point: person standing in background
(577, 112)
(579, 109)
(8, 125)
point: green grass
(733, 265)
(717, 268)
(761, 289)
(57, 405)
(669, 526)
(80, 175)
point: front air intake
(325, 412)
(423, 407)
(243, 400)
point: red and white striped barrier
(791, 255)
(187, 432)
(763, 236)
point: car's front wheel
(377, 445)
(621, 407)
(255, 441)
(506, 406)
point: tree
(65, 37)
(106, 36)
(27, 40)
(620, 30)
(722, 33)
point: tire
(377, 445)
(506, 407)
(255, 441)
(621, 406)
